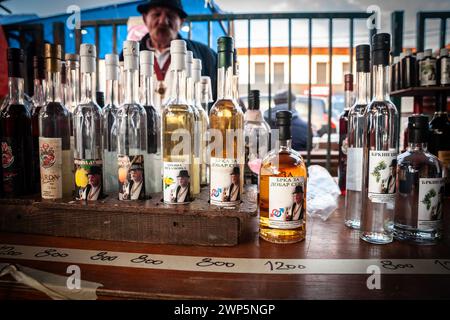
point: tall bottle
(54, 132)
(409, 76)
(73, 88)
(109, 114)
(355, 138)
(282, 200)
(227, 126)
(152, 158)
(380, 151)
(419, 200)
(132, 130)
(443, 67)
(87, 121)
(257, 138)
(38, 100)
(343, 130)
(178, 124)
(205, 98)
(16, 137)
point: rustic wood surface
(325, 240)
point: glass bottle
(16, 137)
(205, 98)
(132, 130)
(417, 109)
(282, 199)
(394, 74)
(419, 200)
(109, 114)
(152, 158)
(73, 89)
(55, 154)
(427, 67)
(380, 151)
(226, 122)
(356, 122)
(409, 76)
(343, 129)
(257, 138)
(178, 123)
(87, 125)
(443, 67)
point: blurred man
(182, 192)
(136, 190)
(296, 211)
(233, 191)
(93, 189)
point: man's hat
(298, 189)
(183, 174)
(393, 163)
(236, 170)
(94, 170)
(135, 167)
(172, 4)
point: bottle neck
(147, 90)
(362, 88)
(225, 83)
(54, 89)
(88, 87)
(112, 93)
(236, 87)
(417, 146)
(178, 90)
(190, 90)
(285, 144)
(381, 82)
(131, 85)
(73, 87)
(38, 97)
(16, 90)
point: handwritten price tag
(209, 262)
(51, 253)
(279, 265)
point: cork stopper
(131, 55)
(88, 54)
(146, 61)
(178, 52)
(112, 66)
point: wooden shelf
(421, 91)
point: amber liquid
(289, 165)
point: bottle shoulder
(53, 108)
(280, 159)
(226, 107)
(386, 106)
(418, 158)
(90, 107)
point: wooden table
(325, 240)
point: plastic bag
(322, 193)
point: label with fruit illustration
(382, 175)
(131, 177)
(431, 194)
(50, 160)
(88, 179)
(177, 183)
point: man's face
(136, 175)
(235, 178)
(184, 181)
(163, 24)
(298, 197)
(94, 180)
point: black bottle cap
(225, 49)
(348, 82)
(16, 58)
(253, 100)
(283, 122)
(100, 97)
(39, 67)
(363, 58)
(418, 128)
(381, 45)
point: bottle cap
(112, 66)
(178, 46)
(283, 121)
(39, 67)
(253, 100)
(205, 88)
(88, 53)
(427, 53)
(225, 49)
(419, 56)
(348, 82)
(131, 55)
(100, 98)
(418, 128)
(63, 72)
(362, 58)
(72, 57)
(72, 61)
(381, 45)
(178, 53)
(146, 60)
(52, 54)
(189, 58)
(16, 58)
(443, 52)
(396, 59)
(196, 69)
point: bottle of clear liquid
(132, 130)
(419, 200)
(380, 151)
(282, 198)
(356, 122)
(226, 121)
(54, 133)
(152, 158)
(178, 124)
(204, 121)
(87, 120)
(257, 138)
(109, 114)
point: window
(321, 76)
(278, 72)
(260, 72)
(345, 68)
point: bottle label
(428, 73)
(226, 184)
(9, 165)
(354, 169)
(88, 179)
(287, 202)
(445, 71)
(50, 159)
(177, 182)
(131, 177)
(431, 194)
(382, 176)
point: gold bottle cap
(52, 54)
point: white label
(50, 159)
(428, 73)
(382, 176)
(131, 175)
(431, 193)
(354, 169)
(176, 182)
(287, 202)
(226, 184)
(445, 71)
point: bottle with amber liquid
(282, 201)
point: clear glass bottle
(226, 122)
(15, 135)
(132, 130)
(152, 158)
(55, 154)
(343, 130)
(257, 138)
(380, 151)
(203, 124)
(178, 123)
(87, 131)
(73, 89)
(356, 122)
(282, 198)
(109, 114)
(419, 200)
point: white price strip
(227, 265)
